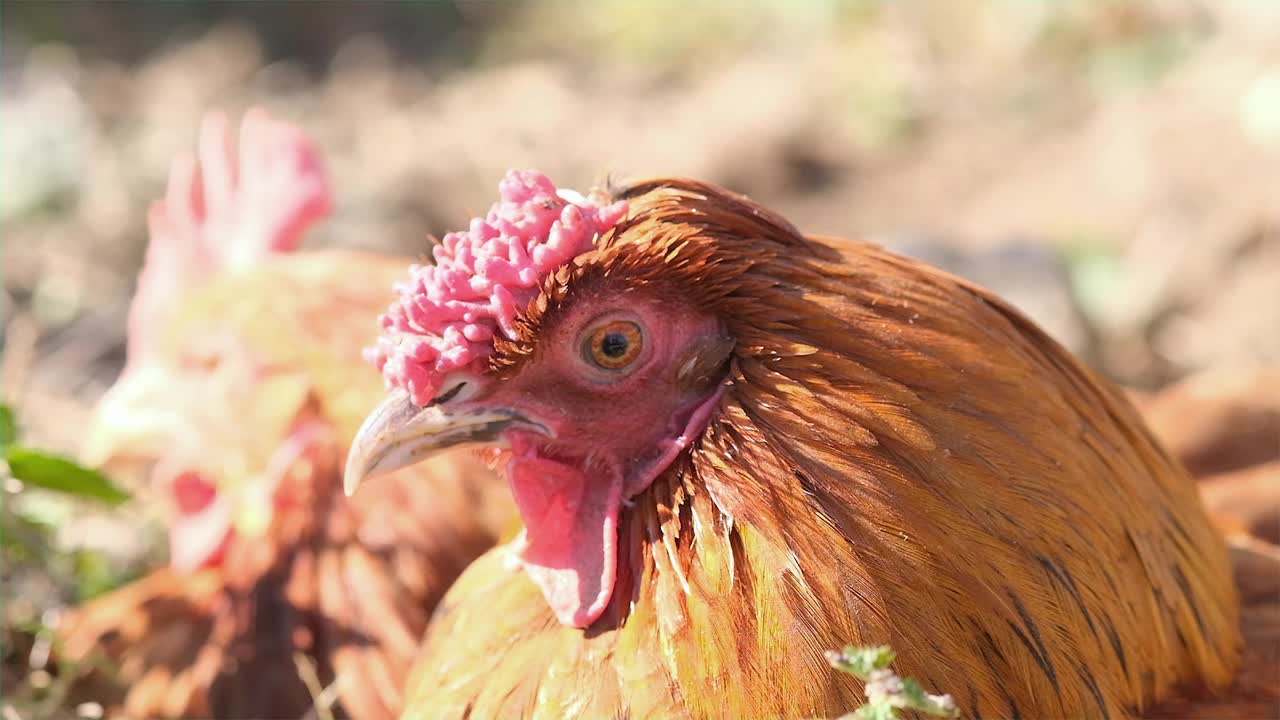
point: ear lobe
(704, 363)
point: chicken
(734, 447)
(244, 386)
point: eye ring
(613, 345)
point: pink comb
(227, 210)
(446, 316)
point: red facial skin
(614, 431)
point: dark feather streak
(1092, 684)
(1038, 650)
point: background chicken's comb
(227, 209)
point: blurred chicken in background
(242, 389)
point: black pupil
(614, 345)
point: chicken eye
(614, 345)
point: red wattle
(571, 534)
(192, 492)
(202, 530)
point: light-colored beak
(399, 433)
(129, 422)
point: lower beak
(399, 433)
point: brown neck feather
(902, 458)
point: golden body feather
(899, 458)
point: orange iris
(615, 345)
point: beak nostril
(447, 395)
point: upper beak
(399, 433)
(126, 424)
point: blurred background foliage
(1112, 166)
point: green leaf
(8, 426)
(915, 695)
(886, 692)
(54, 472)
(861, 661)
(876, 712)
